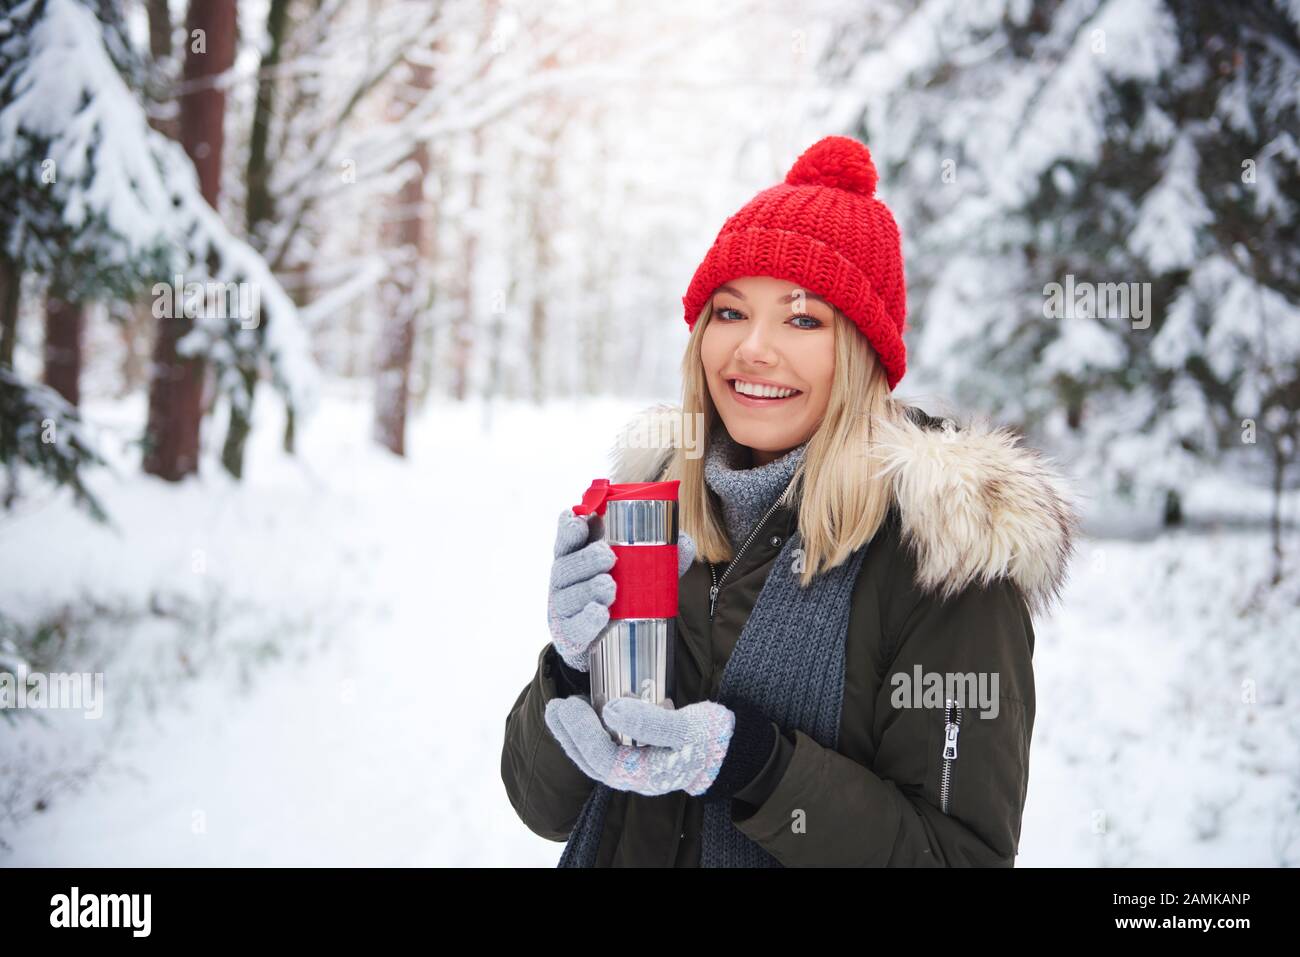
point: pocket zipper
(951, 728)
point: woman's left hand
(680, 749)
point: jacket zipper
(713, 573)
(951, 728)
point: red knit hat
(823, 229)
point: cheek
(817, 366)
(827, 374)
(713, 349)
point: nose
(756, 347)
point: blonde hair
(842, 497)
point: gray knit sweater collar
(745, 492)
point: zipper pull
(950, 729)
(950, 741)
(713, 589)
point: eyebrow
(784, 299)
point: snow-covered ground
(313, 667)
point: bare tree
(64, 324)
(176, 390)
(405, 237)
(259, 210)
(10, 286)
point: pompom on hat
(823, 229)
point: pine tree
(103, 206)
(43, 431)
(1148, 148)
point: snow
(1084, 343)
(111, 165)
(300, 671)
(1144, 752)
(379, 718)
(331, 648)
(1172, 213)
(71, 93)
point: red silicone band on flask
(645, 581)
(645, 576)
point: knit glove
(683, 749)
(581, 591)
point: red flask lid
(601, 491)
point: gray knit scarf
(788, 662)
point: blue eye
(815, 322)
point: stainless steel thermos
(633, 655)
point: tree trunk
(136, 335)
(1275, 516)
(300, 290)
(403, 235)
(176, 390)
(1173, 509)
(539, 319)
(64, 322)
(10, 286)
(543, 204)
(160, 52)
(493, 386)
(160, 29)
(397, 338)
(260, 209)
(462, 332)
(462, 341)
(175, 406)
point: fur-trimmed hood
(974, 504)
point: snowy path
(375, 738)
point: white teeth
(762, 391)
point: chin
(764, 438)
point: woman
(854, 674)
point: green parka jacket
(979, 535)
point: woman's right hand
(581, 589)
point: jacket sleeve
(828, 810)
(545, 788)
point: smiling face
(769, 358)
